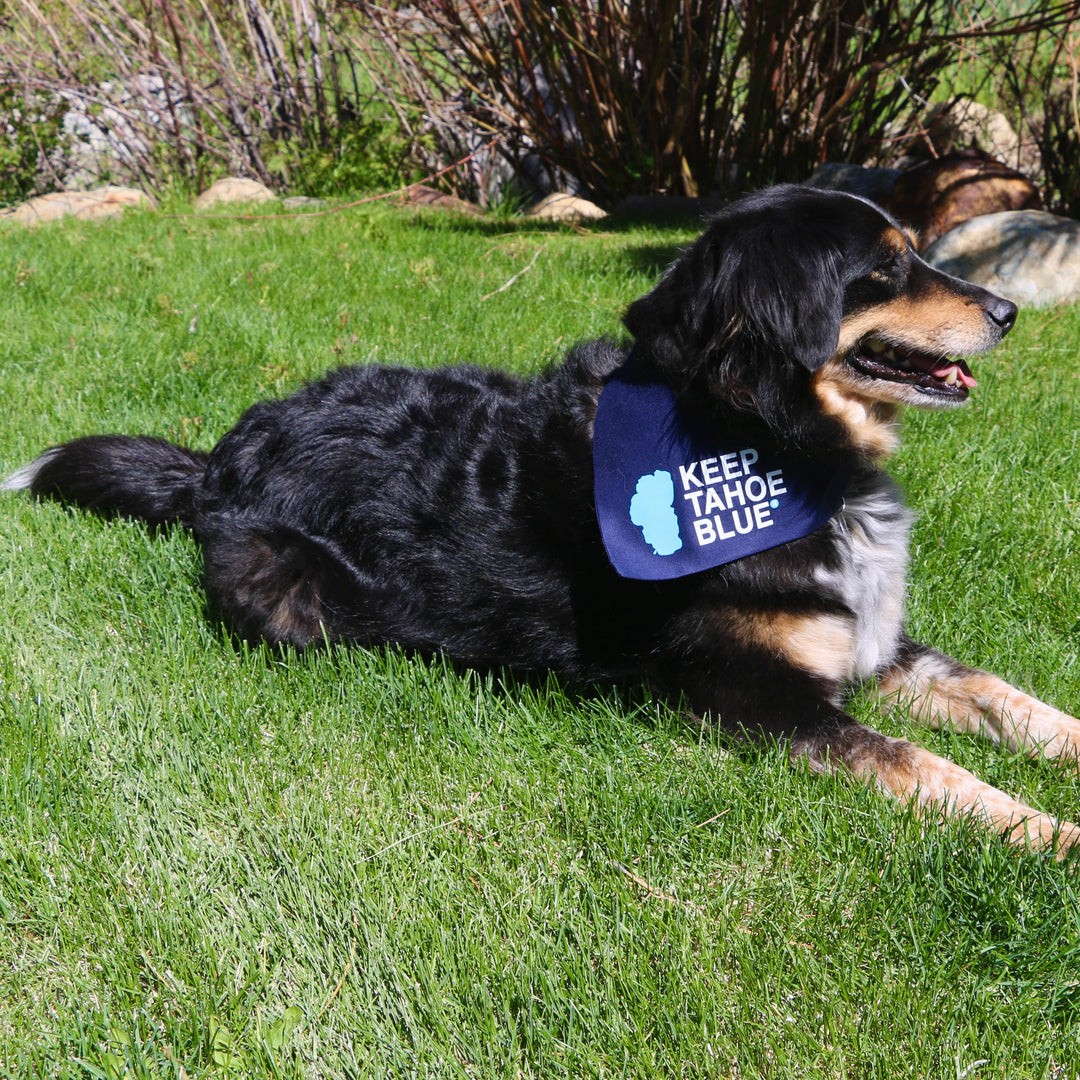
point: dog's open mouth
(928, 374)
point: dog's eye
(890, 270)
(892, 266)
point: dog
(462, 511)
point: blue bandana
(674, 496)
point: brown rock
(558, 206)
(422, 195)
(97, 204)
(234, 189)
(936, 196)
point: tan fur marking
(979, 703)
(896, 238)
(936, 321)
(823, 645)
(290, 622)
(871, 425)
(898, 241)
(936, 786)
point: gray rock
(110, 126)
(303, 202)
(870, 183)
(1029, 256)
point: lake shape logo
(652, 509)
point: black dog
(456, 510)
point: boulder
(303, 202)
(422, 195)
(234, 189)
(875, 184)
(96, 205)
(936, 196)
(963, 124)
(1029, 256)
(559, 206)
(109, 126)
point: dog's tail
(137, 477)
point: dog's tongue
(950, 371)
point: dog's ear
(750, 291)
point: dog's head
(811, 310)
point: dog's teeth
(950, 378)
(890, 355)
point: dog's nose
(1002, 312)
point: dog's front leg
(942, 692)
(932, 784)
(765, 696)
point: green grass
(354, 863)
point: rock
(963, 124)
(936, 196)
(559, 206)
(95, 205)
(871, 183)
(1029, 256)
(234, 189)
(109, 126)
(422, 195)
(303, 202)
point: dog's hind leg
(277, 583)
(944, 693)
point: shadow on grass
(664, 234)
(672, 232)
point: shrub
(1034, 79)
(188, 89)
(680, 96)
(32, 131)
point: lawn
(219, 862)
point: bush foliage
(31, 130)
(691, 96)
(191, 89)
(624, 96)
(1035, 78)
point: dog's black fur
(452, 511)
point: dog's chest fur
(872, 533)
